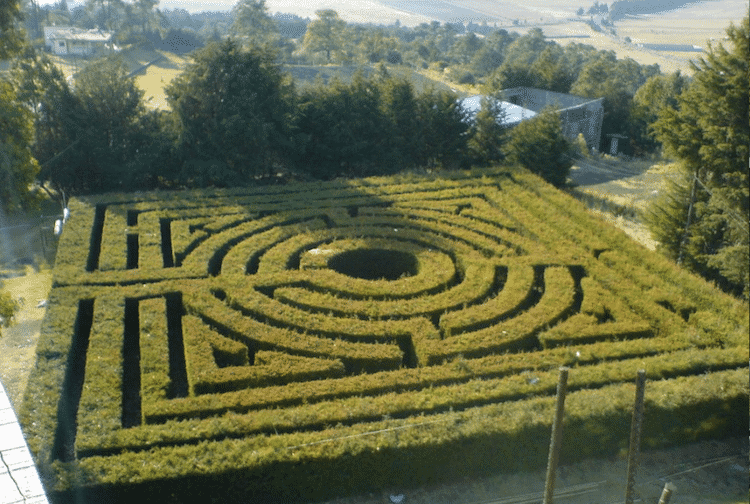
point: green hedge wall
(300, 342)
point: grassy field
(619, 191)
(18, 342)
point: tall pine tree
(539, 145)
(708, 133)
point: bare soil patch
(708, 472)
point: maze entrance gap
(375, 264)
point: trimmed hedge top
(231, 342)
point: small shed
(65, 40)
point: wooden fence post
(635, 434)
(666, 494)
(554, 445)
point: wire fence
(29, 243)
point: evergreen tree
(11, 37)
(708, 132)
(18, 168)
(656, 94)
(233, 111)
(252, 22)
(487, 135)
(617, 81)
(96, 137)
(398, 104)
(344, 129)
(549, 72)
(59, 125)
(442, 127)
(539, 145)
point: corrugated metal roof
(73, 33)
(514, 114)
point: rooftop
(73, 33)
(513, 114)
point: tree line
(236, 118)
(481, 55)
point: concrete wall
(585, 118)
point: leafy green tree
(141, 21)
(233, 112)
(252, 22)
(466, 47)
(11, 37)
(324, 34)
(656, 94)
(487, 134)
(90, 139)
(111, 106)
(539, 145)
(549, 71)
(708, 132)
(59, 117)
(485, 61)
(617, 82)
(373, 44)
(18, 168)
(108, 14)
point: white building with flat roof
(64, 40)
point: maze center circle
(375, 264)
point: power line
(737, 218)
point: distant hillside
(307, 75)
(621, 8)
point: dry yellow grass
(157, 76)
(18, 342)
(152, 80)
(640, 184)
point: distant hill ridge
(621, 8)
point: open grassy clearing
(18, 342)
(619, 190)
(157, 76)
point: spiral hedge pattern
(309, 340)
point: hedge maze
(303, 341)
